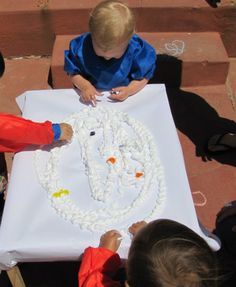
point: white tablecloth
(32, 231)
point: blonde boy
(110, 56)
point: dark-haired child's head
(168, 254)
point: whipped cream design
(121, 163)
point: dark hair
(166, 253)
(2, 65)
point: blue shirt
(138, 62)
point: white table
(31, 231)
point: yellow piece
(60, 193)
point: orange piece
(138, 174)
(112, 160)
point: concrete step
(184, 59)
(29, 27)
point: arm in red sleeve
(16, 133)
(97, 268)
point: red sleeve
(16, 133)
(97, 268)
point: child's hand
(66, 132)
(89, 95)
(119, 94)
(135, 227)
(110, 240)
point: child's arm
(142, 69)
(88, 92)
(16, 133)
(124, 92)
(100, 264)
(75, 67)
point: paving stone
(22, 75)
(218, 186)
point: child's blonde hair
(111, 23)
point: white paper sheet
(32, 231)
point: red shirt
(97, 268)
(16, 133)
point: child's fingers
(93, 100)
(111, 235)
(121, 96)
(99, 93)
(131, 229)
(114, 97)
(111, 240)
(135, 227)
(112, 232)
(85, 97)
(69, 132)
(117, 235)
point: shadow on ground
(193, 116)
